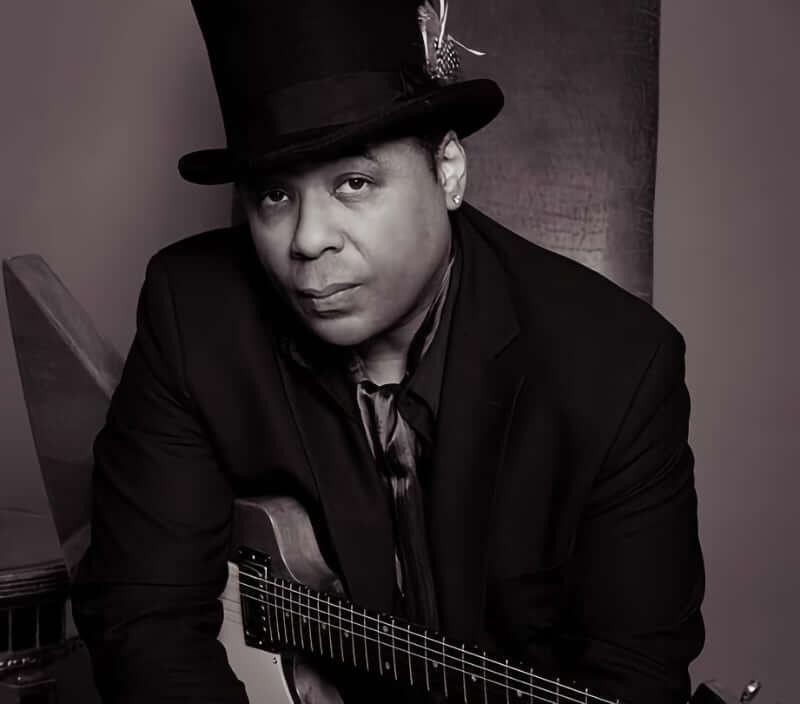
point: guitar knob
(750, 691)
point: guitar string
(287, 586)
(518, 690)
(561, 691)
(461, 659)
(460, 656)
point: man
(490, 438)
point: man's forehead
(304, 166)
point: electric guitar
(282, 602)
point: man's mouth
(322, 293)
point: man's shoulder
(219, 248)
(557, 293)
(215, 282)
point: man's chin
(343, 330)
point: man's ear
(451, 169)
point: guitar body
(278, 527)
(282, 603)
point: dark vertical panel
(570, 162)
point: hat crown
(256, 46)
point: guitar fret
(394, 654)
(291, 613)
(558, 690)
(530, 684)
(266, 610)
(301, 618)
(380, 657)
(485, 696)
(283, 615)
(444, 667)
(310, 619)
(364, 636)
(341, 633)
(506, 685)
(319, 627)
(330, 635)
(464, 674)
(408, 647)
(353, 636)
(425, 658)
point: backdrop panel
(570, 162)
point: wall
(101, 98)
(726, 255)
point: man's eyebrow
(369, 155)
(365, 152)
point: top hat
(312, 78)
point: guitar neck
(279, 614)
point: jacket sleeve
(637, 577)
(145, 598)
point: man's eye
(352, 184)
(274, 196)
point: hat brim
(463, 107)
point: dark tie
(397, 450)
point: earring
(456, 199)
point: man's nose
(316, 231)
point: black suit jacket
(563, 512)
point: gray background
(101, 98)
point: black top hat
(310, 78)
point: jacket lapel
(480, 388)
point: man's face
(358, 245)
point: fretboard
(280, 615)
